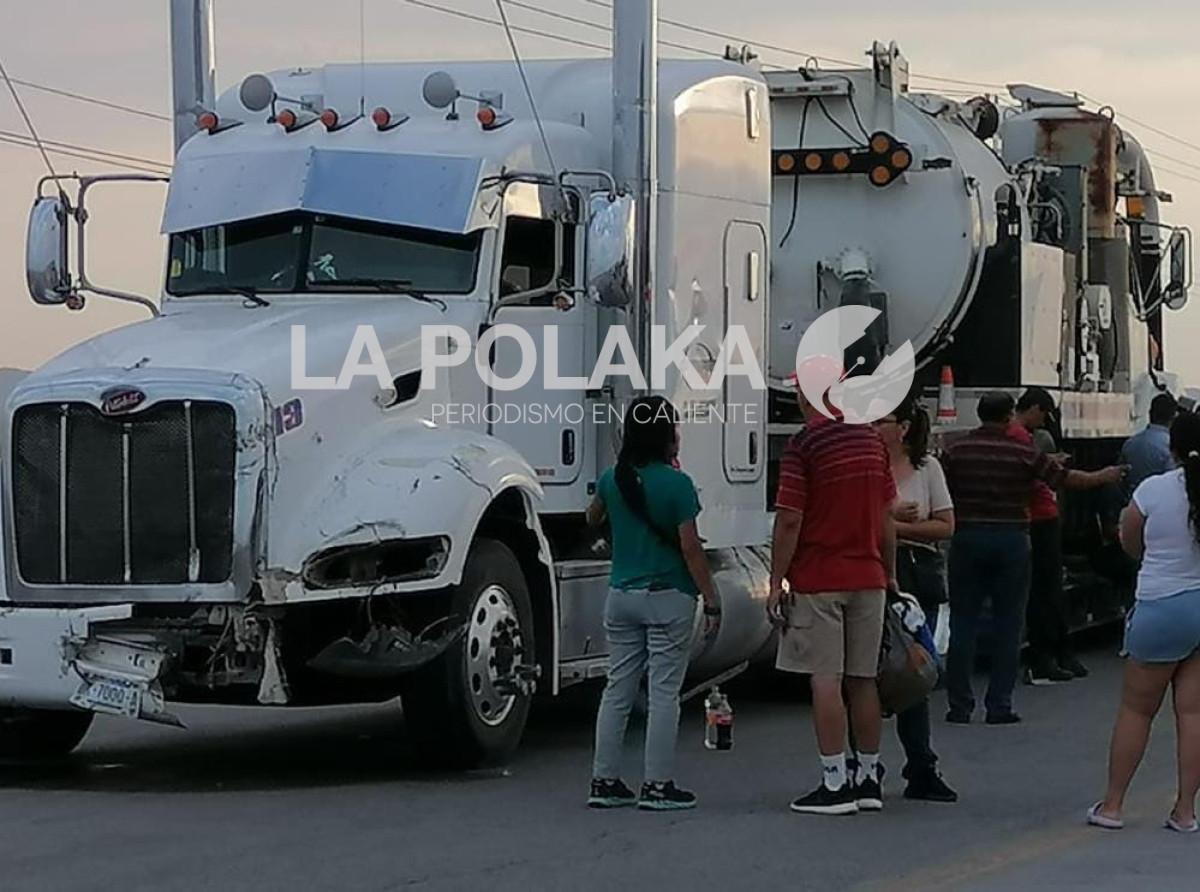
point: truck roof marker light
(902, 160)
(490, 118)
(813, 161)
(841, 161)
(881, 143)
(211, 124)
(290, 121)
(787, 163)
(385, 121)
(333, 122)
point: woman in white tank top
(1161, 527)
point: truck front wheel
(469, 708)
(41, 733)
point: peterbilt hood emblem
(121, 401)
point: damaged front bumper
(59, 659)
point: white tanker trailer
(249, 499)
(1012, 246)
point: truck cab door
(745, 305)
(546, 424)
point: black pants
(987, 563)
(1045, 615)
(923, 580)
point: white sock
(868, 766)
(834, 770)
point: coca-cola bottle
(718, 721)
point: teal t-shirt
(640, 559)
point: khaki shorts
(833, 633)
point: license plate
(113, 696)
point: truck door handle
(568, 447)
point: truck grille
(139, 499)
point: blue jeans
(987, 563)
(649, 633)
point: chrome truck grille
(139, 499)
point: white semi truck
(194, 512)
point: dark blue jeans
(987, 564)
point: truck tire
(452, 708)
(27, 734)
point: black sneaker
(928, 786)
(868, 794)
(665, 797)
(824, 801)
(610, 794)
(954, 717)
(1070, 663)
(1044, 671)
(1003, 718)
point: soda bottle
(718, 721)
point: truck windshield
(292, 253)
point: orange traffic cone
(947, 413)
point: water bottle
(718, 721)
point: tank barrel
(635, 140)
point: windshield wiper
(251, 294)
(385, 286)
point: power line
(91, 100)
(117, 156)
(1158, 168)
(1163, 155)
(707, 32)
(484, 20)
(127, 165)
(607, 29)
(537, 117)
(28, 121)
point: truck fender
(410, 485)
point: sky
(1145, 65)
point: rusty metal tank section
(1069, 159)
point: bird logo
(825, 382)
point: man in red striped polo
(835, 544)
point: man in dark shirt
(1049, 658)
(992, 478)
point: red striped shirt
(992, 476)
(839, 477)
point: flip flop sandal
(1095, 819)
(1172, 824)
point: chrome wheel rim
(494, 647)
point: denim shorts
(1166, 630)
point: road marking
(1026, 849)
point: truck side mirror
(610, 249)
(1179, 249)
(47, 269)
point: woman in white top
(924, 517)
(1161, 527)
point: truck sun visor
(421, 191)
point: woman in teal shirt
(658, 571)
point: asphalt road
(332, 799)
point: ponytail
(1185, 444)
(649, 436)
(1191, 476)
